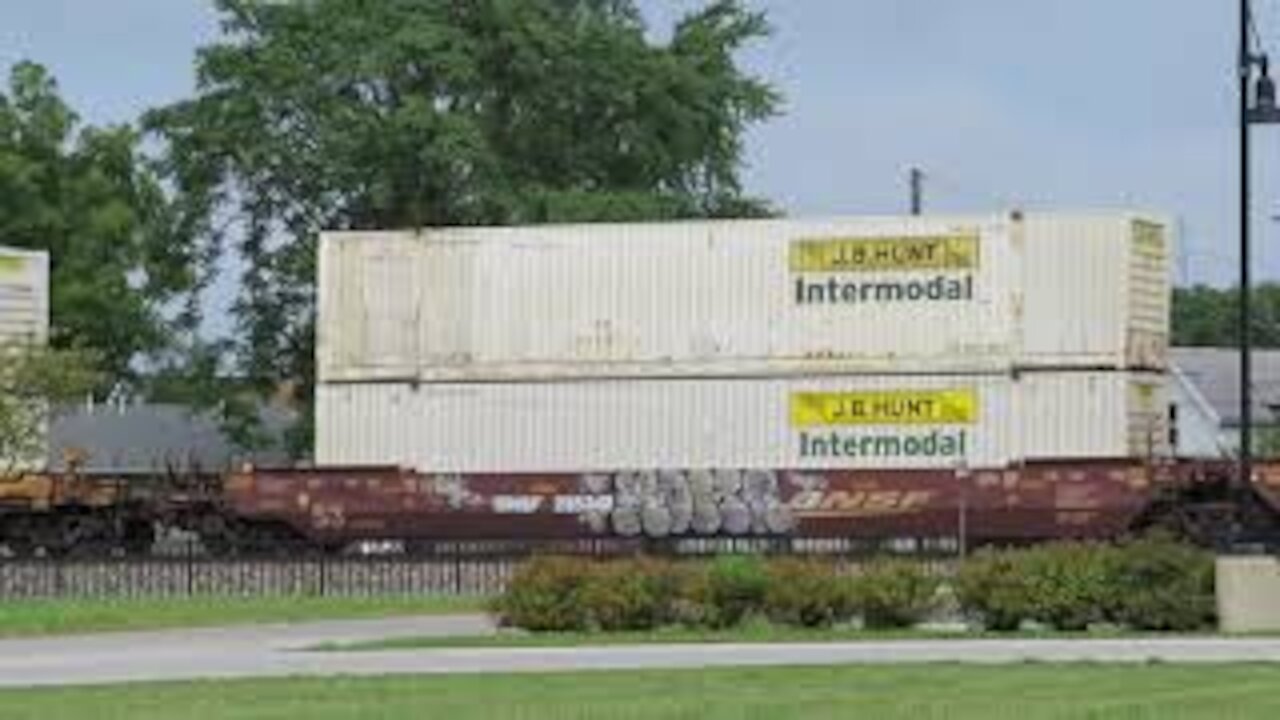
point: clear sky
(1050, 104)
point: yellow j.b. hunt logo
(897, 407)
(11, 266)
(1148, 239)
(951, 251)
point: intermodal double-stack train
(968, 379)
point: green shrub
(1152, 584)
(894, 594)
(737, 586)
(627, 595)
(1070, 585)
(544, 595)
(1163, 585)
(806, 593)
(690, 599)
(990, 588)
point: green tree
(34, 382)
(88, 197)
(1207, 316)
(1266, 441)
(358, 114)
(198, 378)
(1203, 316)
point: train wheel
(219, 546)
(86, 535)
(271, 539)
(20, 547)
(46, 537)
(17, 538)
(330, 548)
(138, 537)
(217, 536)
(1204, 524)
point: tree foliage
(34, 381)
(1208, 317)
(88, 197)
(1265, 441)
(359, 114)
(195, 376)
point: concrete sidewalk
(278, 651)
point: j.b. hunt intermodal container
(24, 296)
(24, 319)
(765, 297)
(831, 422)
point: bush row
(1150, 584)
(576, 594)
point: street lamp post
(1258, 108)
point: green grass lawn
(59, 617)
(942, 692)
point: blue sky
(1050, 104)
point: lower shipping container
(833, 422)
(24, 319)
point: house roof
(145, 437)
(1215, 373)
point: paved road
(272, 651)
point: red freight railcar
(331, 509)
(1046, 500)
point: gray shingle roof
(1215, 372)
(133, 438)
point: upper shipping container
(24, 296)
(894, 294)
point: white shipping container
(24, 318)
(24, 296)
(857, 421)
(688, 299)
(1093, 288)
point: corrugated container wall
(24, 296)
(24, 318)
(857, 421)
(691, 299)
(1091, 285)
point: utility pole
(1257, 109)
(1245, 320)
(917, 190)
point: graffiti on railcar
(668, 502)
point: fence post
(189, 565)
(457, 571)
(59, 589)
(324, 575)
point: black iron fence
(462, 569)
(191, 577)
